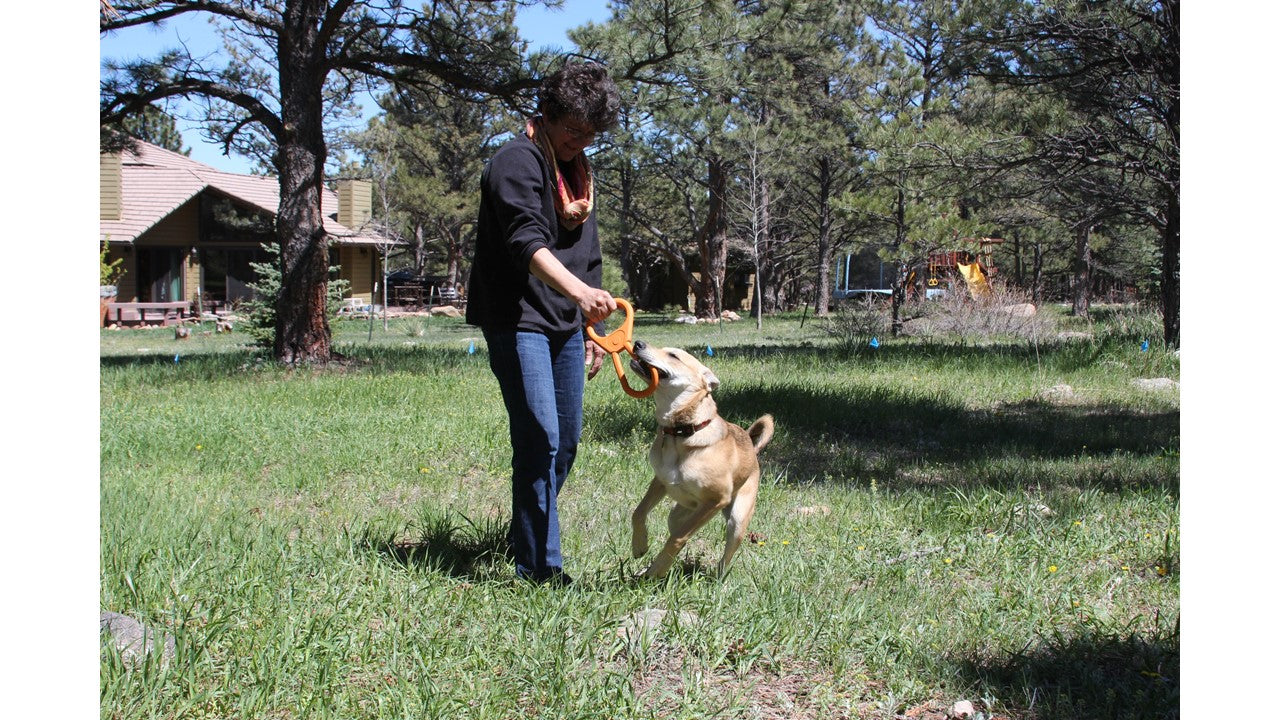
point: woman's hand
(595, 358)
(595, 304)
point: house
(187, 231)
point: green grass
(327, 542)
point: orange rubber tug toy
(619, 340)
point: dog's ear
(712, 381)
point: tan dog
(701, 461)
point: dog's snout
(639, 345)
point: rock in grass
(1073, 335)
(648, 622)
(446, 311)
(133, 640)
(1032, 510)
(1155, 384)
(963, 709)
(1057, 393)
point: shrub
(109, 273)
(260, 310)
(856, 322)
(1000, 313)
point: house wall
(110, 195)
(191, 278)
(355, 202)
(735, 295)
(181, 228)
(359, 268)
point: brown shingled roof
(155, 182)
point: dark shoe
(554, 577)
(559, 578)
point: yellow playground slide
(975, 279)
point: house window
(226, 272)
(231, 237)
(159, 274)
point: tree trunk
(626, 256)
(763, 241)
(822, 306)
(899, 297)
(302, 329)
(419, 248)
(1082, 271)
(1171, 275)
(453, 262)
(1017, 259)
(903, 270)
(714, 247)
(1037, 272)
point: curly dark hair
(582, 92)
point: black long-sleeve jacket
(517, 217)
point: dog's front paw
(639, 543)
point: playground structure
(974, 268)
(866, 276)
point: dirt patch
(775, 692)
(404, 497)
(664, 672)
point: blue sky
(542, 27)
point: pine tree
(294, 66)
(155, 126)
(1116, 66)
(914, 200)
(426, 154)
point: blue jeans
(542, 379)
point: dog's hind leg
(737, 516)
(640, 517)
(688, 525)
(679, 515)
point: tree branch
(143, 13)
(127, 103)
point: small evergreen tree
(260, 310)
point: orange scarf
(573, 210)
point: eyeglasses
(577, 133)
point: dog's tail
(761, 431)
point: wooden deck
(142, 313)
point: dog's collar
(684, 430)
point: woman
(535, 282)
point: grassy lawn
(932, 527)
